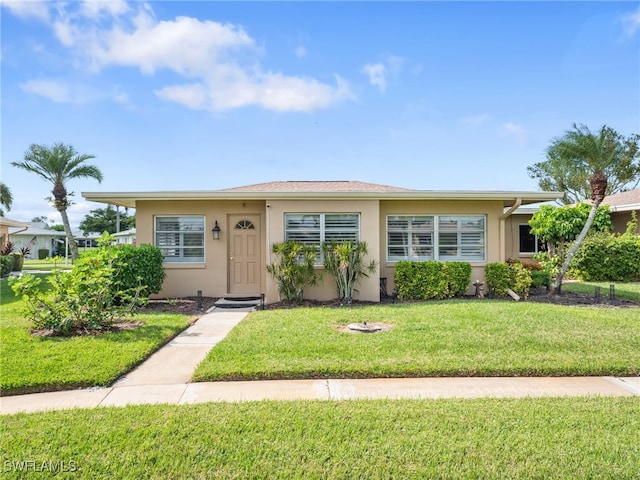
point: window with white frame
(528, 241)
(317, 228)
(181, 238)
(436, 237)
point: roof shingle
(632, 197)
(317, 186)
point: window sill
(174, 266)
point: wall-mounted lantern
(216, 231)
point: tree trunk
(67, 230)
(576, 244)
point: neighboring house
(37, 237)
(220, 241)
(126, 237)
(522, 244)
(621, 206)
(86, 241)
(5, 224)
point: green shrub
(509, 275)
(133, 267)
(499, 277)
(18, 262)
(540, 278)
(79, 301)
(43, 253)
(139, 266)
(294, 269)
(6, 265)
(345, 261)
(522, 279)
(608, 257)
(459, 277)
(427, 280)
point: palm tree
(57, 165)
(6, 198)
(595, 153)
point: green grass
(35, 364)
(451, 338)
(555, 438)
(628, 291)
(47, 264)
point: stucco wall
(184, 279)
(620, 220)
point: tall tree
(103, 220)
(59, 164)
(602, 155)
(560, 172)
(6, 198)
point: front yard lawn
(561, 438)
(450, 338)
(35, 364)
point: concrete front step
(247, 302)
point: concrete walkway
(163, 378)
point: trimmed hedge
(428, 280)
(608, 257)
(504, 276)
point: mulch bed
(189, 305)
(581, 299)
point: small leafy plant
(294, 269)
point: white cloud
(377, 74)
(51, 89)
(380, 72)
(300, 52)
(514, 130)
(98, 8)
(193, 96)
(476, 120)
(27, 9)
(631, 23)
(62, 92)
(219, 62)
(271, 91)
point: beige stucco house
(220, 241)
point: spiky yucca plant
(345, 261)
(294, 269)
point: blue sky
(208, 95)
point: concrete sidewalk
(163, 378)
